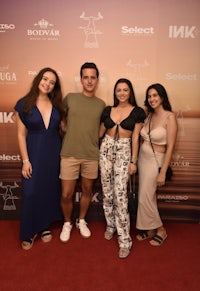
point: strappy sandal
(108, 235)
(46, 236)
(145, 234)
(123, 253)
(157, 240)
(27, 244)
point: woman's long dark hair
(55, 96)
(163, 95)
(132, 99)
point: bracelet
(134, 163)
(25, 161)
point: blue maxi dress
(42, 192)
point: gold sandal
(157, 240)
(46, 236)
(108, 235)
(27, 244)
(145, 234)
(123, 253)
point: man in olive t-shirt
(80, 149)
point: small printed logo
(181, 77)
(183, 31)
(138, 69)
(6, 117)
(7, 76)
(173, 197)
(137, 31)
(96, 198)
(6, 191)
(10, 158)
(44, 31)
(5, 27)
(43, 24)
(90, 30)
(179, 161)
(34, 73)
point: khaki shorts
(71, 168)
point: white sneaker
(81, 224)
(65, 233)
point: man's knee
(87, 187)
(68, 188)
(67, 195)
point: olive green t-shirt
(83, 120)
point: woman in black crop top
(120, 128)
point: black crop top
(137, 115)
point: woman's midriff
(159, 148)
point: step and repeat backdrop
(144, 41)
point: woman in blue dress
(38, 116)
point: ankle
(161, 230)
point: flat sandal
(27, 244)
(123, 253)
(108, 235)
(145, 234)
(46, 236)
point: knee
(66, 196)
(86, 190)
(87, 193)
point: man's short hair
(89, 66)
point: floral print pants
(115, 157)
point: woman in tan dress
(158, 139)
